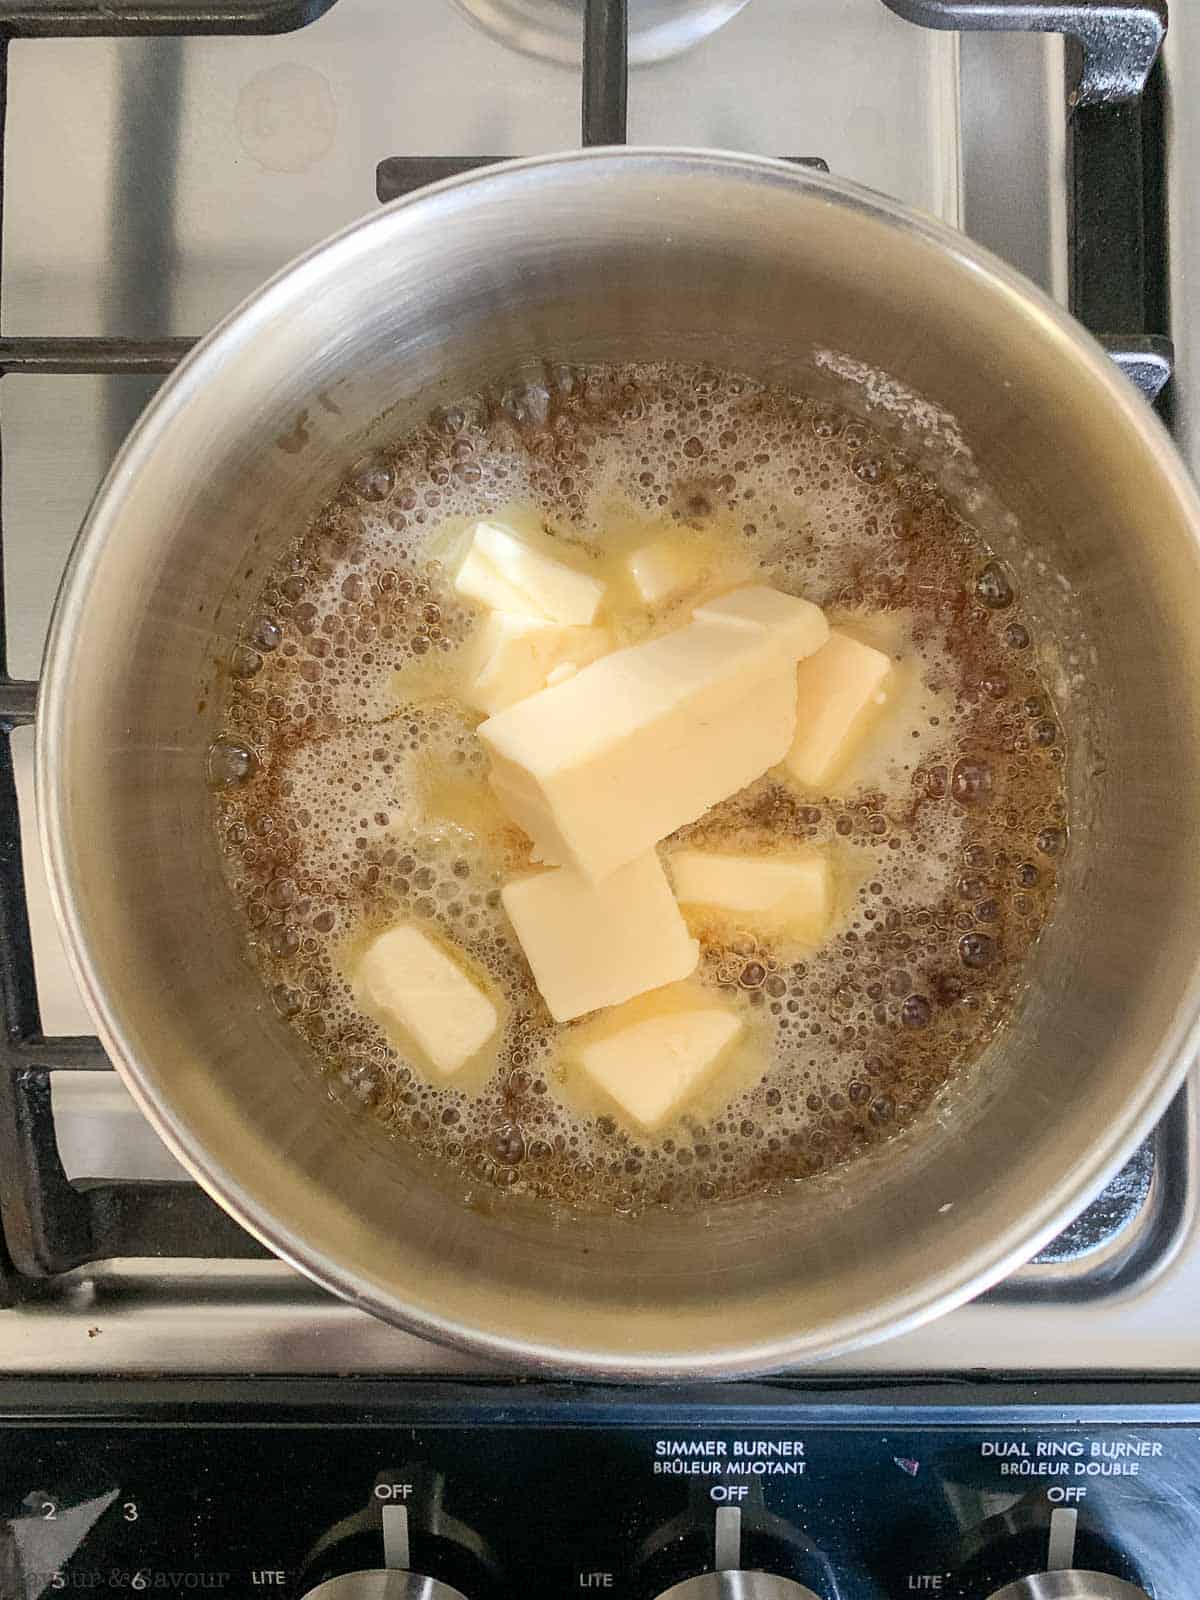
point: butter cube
(650, 1064)
(514, 656)
(598, 769)
(509, 574)
(840, 693)
(593, 945)
(798, 625)
(661, 570)
(790, 893)
(412, 986)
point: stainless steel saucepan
(755, 266)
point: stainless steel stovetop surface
(152, 183)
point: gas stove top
(162, 158)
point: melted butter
(370, 805)
(710, 550)
(458, 799)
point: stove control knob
(738, 1586)
(382, 1585)
(739, 1545)
(1069, 1585)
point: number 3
(130, 1511)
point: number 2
(49, 1511)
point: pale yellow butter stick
(512, 657)
(598, 769)
(507, 573)
(788, 894)
(594, 945)
(415, 990)
(841, 691)
(650, 1059)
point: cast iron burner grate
(50, 1224)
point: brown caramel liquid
(348, 798)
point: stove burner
(553, 29)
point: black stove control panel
(347, 1489)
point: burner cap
(553, 29)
